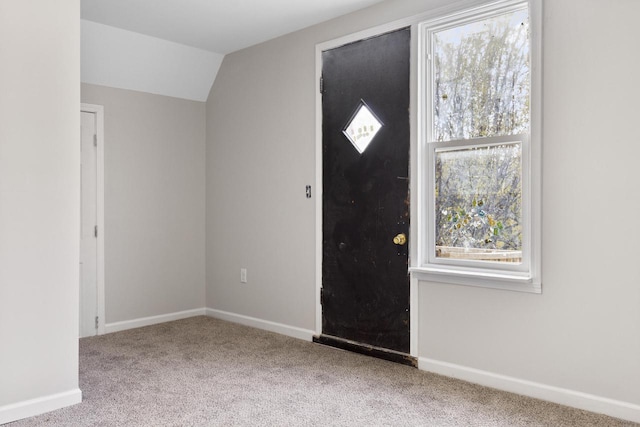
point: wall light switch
(243, 275)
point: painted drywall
(260, 157)
(39, 205)
(123, 59)
(154, 202)
(581, 334)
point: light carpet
(208, 372)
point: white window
(479, 160)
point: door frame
(415, 173)
(98, 110)
(331, 44)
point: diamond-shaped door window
(362, 127)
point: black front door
(365, 152)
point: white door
(88, 227)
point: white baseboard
(291, 331)
(152, 320)
(33, 407)
(576, 399)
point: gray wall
(154, 202)
(39, 203)
(580, 334)
(260, 157)
(583, 332)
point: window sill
(493, 280)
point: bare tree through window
(481, 85)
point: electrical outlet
(243, 275)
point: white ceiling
(220, 26)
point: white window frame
(426, 266)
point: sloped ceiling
(175, 47)
(126, 60)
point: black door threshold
(367, 350)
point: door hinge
(96, 322)
(321, 296)
(95, 140)
(321, 84)
(95, 231)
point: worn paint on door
(366, 136)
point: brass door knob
(400, 239)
